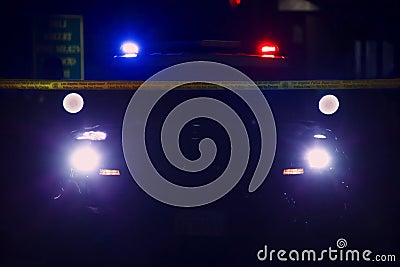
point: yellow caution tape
(134, 85)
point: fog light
(293, 171)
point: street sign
(58, 47)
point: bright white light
(92, 135)
(328, 104)
(73, 103)
(85, 159)
(319, 136)
(318, 158)
(129, 55)
(129, 49)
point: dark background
(341, 40)
(34, 231)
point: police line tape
(134, 85)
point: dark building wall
(344, 39)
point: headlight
(318, 158)
(85, 159)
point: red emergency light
(268, 49)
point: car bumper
(98, 188)
(314, 196)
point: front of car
(308, 160)
(314, 173)
(96, 174)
